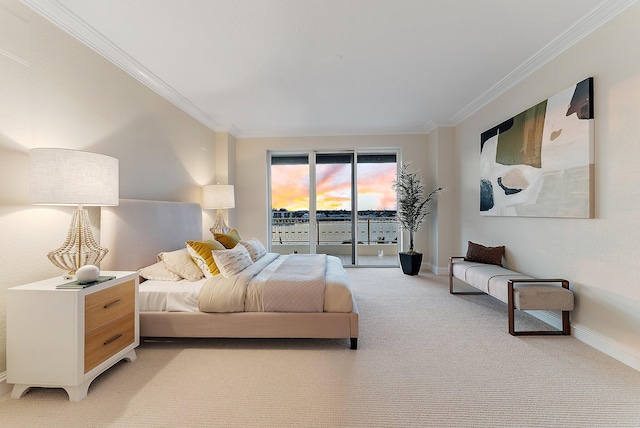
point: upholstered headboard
(136, 231)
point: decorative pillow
(255, 248)
(200, 252)
(481, 254)
(229, 239)
(159, 272)
(181, 263)
(230, 262)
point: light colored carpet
(425, 358)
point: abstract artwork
(539, 163)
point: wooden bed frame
(136, 231)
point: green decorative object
(413, 207)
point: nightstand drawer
(106, 341)
(107, 305)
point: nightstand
(65, 338)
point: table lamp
(218, 196)
(74, 177)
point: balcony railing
(370, 231)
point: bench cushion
(490, 279)
(542, 297)
(493, 280)
(499, 285)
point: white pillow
(233, 261)
(255, 248)
(159, 272)
(181, 263)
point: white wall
(445, 210)
(599, 256)
(225, 167)
(252, 212)
(56, 92)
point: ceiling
(259, 68)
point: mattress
(169, 296)
(183, 295)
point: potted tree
(412, 211)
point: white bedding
(243, 293)
(297, 285)
(170, 296)
(183, 296)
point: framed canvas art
(539, 163)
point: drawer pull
(116, 337)
(115, 302)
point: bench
(518, 291)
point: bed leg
(354, 343)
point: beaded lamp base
(80, 248)
(219, 225)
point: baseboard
(5, 388)
(437, 270)
(619, 351)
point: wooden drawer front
(106, 341)
(108, 304)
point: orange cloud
(290, 187)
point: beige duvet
(243, 292)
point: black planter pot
(410, 263)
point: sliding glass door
(376, 207)
(290, 204)
(334, 190)
(337, 203)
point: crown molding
(585, 26)
(228, 129)
(61, 16)
(275, 133)
(429, 126)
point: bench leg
(566, 325)
(451, 290)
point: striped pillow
(233, 261)
(255, 248)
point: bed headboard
(136, 231)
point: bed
(137, 231)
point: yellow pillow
(201, 253)
(229, 239)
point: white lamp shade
(72, 177)
(218, 196)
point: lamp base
(80, 248)
(219, 225)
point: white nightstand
(66, 338)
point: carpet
(425, 359)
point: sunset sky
(290, 186)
